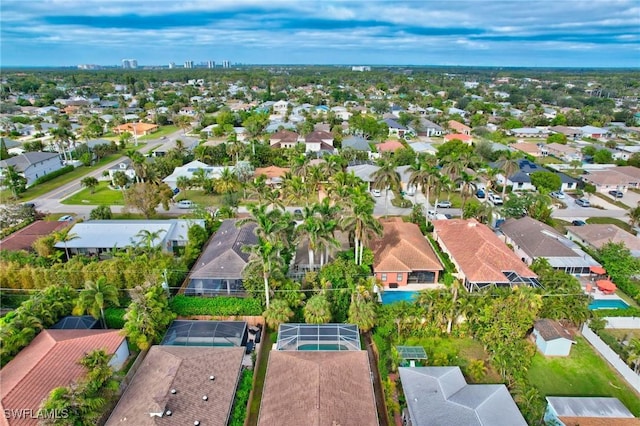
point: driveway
(574, 211)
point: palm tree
(295, 189)
(317, 310)
(386, 177)
(309, 231)
(64, 236)
(146, 237)
(96, 296)
(278, 313)
(234, 147)
(227, 182)
(634, 216)
(362, 311)
(634, 354)
(423, 175)
(509, 165)
(467, 185)
(359, 220)
(89, 182)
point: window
(383, 277)
(399, 277)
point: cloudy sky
(577, 33)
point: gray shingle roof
(23, 161)
(356, 142)
(440, 396)
(223, 256)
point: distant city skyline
(546, 33)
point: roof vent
(168, 413)
(471, 224)
(212, 377)
(205, 398)
(173, 391)
(196, 423)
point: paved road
(50, 202)
(575, 212)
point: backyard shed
(552, 339)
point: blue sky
(576, 33)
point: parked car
(185, 204)
(376, 192)
(583, 202)
(480, 193)
(65, 218)
(297, 214)
(578, 223)
(495, 199)
(444, 204)
(616, 194)
(558, 194)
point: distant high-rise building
(211, 64)
(129, 64)
(172, 65)
(188, 64)
(361, 68)
(225, 64)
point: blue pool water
(398, 296)
(608, 304)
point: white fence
(623, 322)
(627, 373)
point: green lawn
(163, 131)
(612, 201)
(199, 197)
(548, 160)
(103, 195)
(583, 373)
(612, 221)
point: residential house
(319, 140)
(364, 172)
(551, 338)
(565, 153)
(532, 239)
(419, 147)
(395, 128)
(33, 165)
(103, 236)
(274, 174)
(530, 148)
(403, 257)
(25, 237)
(458, 111)
(51, 360)
(136, 129)
(219, 268)
(459, 136)
(457, 127)
(183, 144)
(569, 132)
(596, 236)
(280, 107)
(616, 178)
(188, 171)
(326, 387)
(357, 143)
(125, 166)
(530, 132)
(480, 257)
(587, 411)
(428, 128)
(521, 180)
(181, 385)
(77, 322)
(440, 396)
(341, 113)
(594, 132)
(389, 146)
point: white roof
(190, 168)
(588, 407)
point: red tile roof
(459, 127)
(481, 256)
(389, 146)
(459, 136)
(50, 361)
(403, 248)
(24, 238)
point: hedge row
(52, 175)
(221, 305)
(114, 317)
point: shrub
(52, 175)
(239, 412)
(220, 305)
(114, 317)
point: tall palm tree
(146, 237)
(309, 231)
(278, 313)
(295, 189)
(265, 253)
(452, 166)
(96, 296)
(317, 310)
(359, 220)
(227, 182)
(509, 165)
(64, 236)
(362, 311)
(467, 185)
(423, 175)
(634, 216)
(386, 177)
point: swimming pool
(608, 304)
(398, 296)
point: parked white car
(185, 204)
(495, 199)
(376, 192)
(558, 194)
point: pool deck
(595, 293)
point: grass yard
(612, 221)
(162, 131)
(583, 373)
(622, 333)
(199, 197)
(103, 195)
(612, 201)
(548, 160)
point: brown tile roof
(389, 146)
(24, 238)
(136, 127)
(319, 136)
(402, 247)
(598, 421)
(188, 371)
(284, 136)
(528, 147)
(50, 361)
(600, 234)
(318, 389)
(536, 238)
(551, 330)
(631, 171)
(479, 253)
